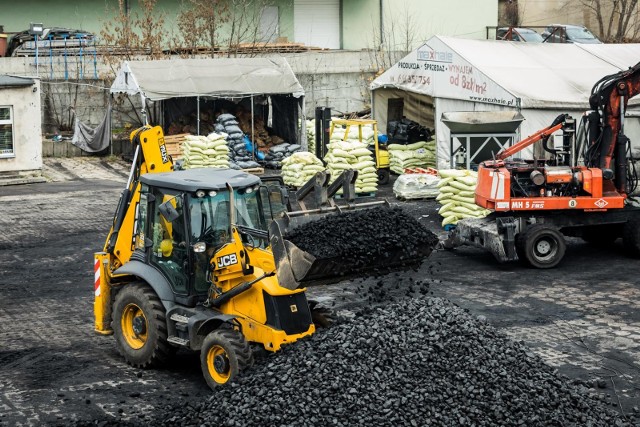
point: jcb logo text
(227, 260)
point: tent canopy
(539, 80)
(219, 77)
(512, 74)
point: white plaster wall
(27, 136)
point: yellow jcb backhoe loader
(197, 259)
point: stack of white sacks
(205, 151)
(355, 155)
(457, 196)
(299, 168)
(311, 135)
(354, 134)
(338, 134)
(420, 154)
(416, 186)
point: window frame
(12, 154)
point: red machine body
(580, 189)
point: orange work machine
(582, 188)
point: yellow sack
(446, 173)
(461, 186)
(442, 196)
(450, 220)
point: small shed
(265, 86)
(538, 80)
(20, 124)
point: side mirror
(168, 210)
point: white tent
(218, 78)
(539, 80)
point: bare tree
(617, 19)
(126, 34)
(199, 25)
(511, 13)
(245, 35)
(396, 39)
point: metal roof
(200, 179)
(12, 81)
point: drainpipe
(381, 24)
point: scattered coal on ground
(362, 238)
(418, 361)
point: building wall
(409, 23)
(360, 24)
(26, 128)
(361, 18)
(90, 15)
(426, 18)
(336, 79)
(540, 13)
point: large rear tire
(224, 353)
(631, 237)
(140, 326)
(543, 246)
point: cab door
(169, 243)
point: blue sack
(249, 145)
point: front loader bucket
(297, 267)
(292, 263)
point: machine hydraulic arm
(543, 134)
(606, 139)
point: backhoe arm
(150, 157)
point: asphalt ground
(582, 317)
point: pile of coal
(360, 238)
(419, 361)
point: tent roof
(540, 75)
(219, 77)
(12, 81)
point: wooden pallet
(173, 143)
(254, 171)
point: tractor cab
(185, 217)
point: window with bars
(6, 132)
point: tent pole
(198, 113)
(253, 142)
(373, 110)
(303, 125)
(145, 122)
(109, 96)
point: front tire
(140, 326)
(543, 246)
(224, 354)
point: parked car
(518, 35)
(560, 33)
